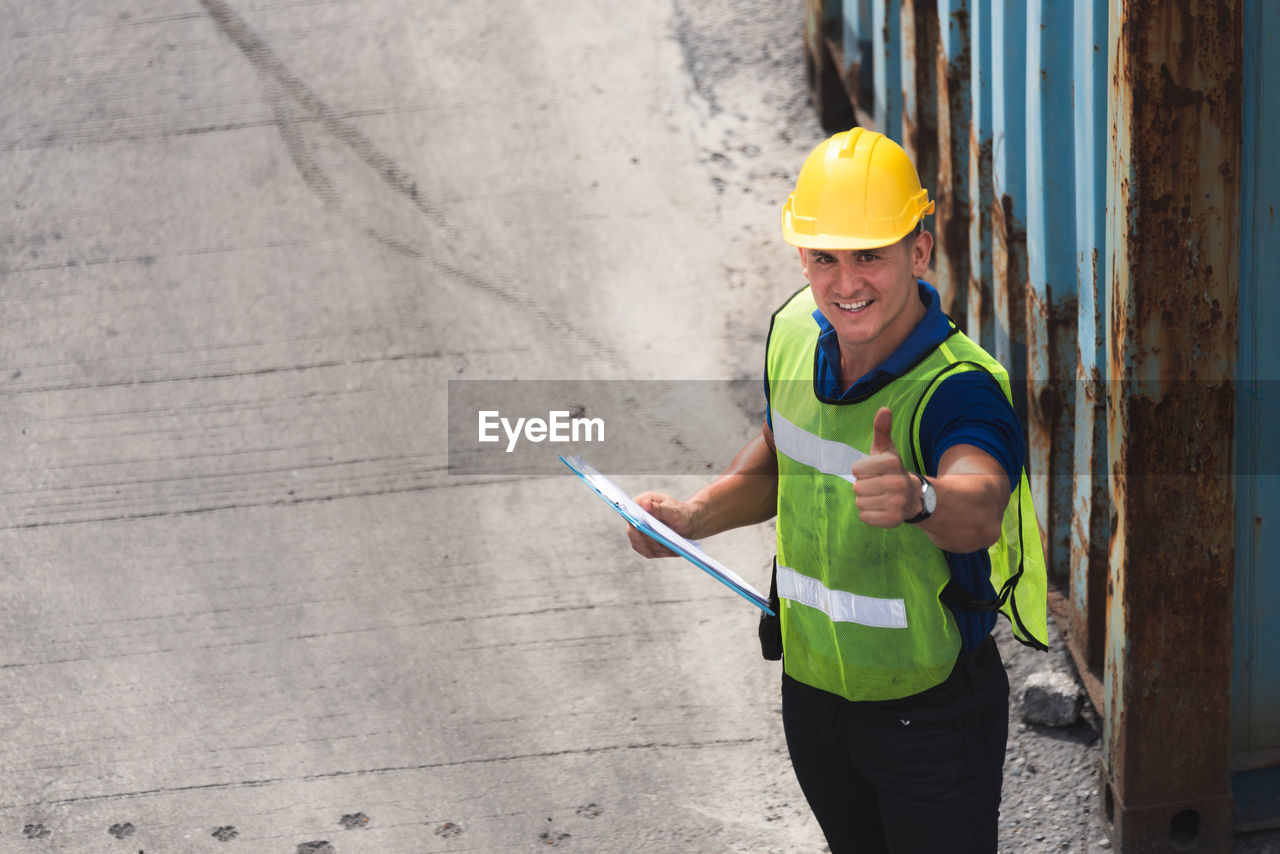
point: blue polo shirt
(967, 409)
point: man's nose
(849, 275)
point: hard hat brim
(795, 233)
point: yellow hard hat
(857, 190)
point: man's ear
(921, 251)
(804, 261)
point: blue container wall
(1256, 674)
(887, 58)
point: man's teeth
(854, 306)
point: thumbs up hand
(886, 494)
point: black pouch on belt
(770, 629)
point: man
(894, 462)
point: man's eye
(868, 257)
(824, 259)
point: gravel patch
(1052, 798)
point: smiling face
(869, 296)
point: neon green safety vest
(861, 610)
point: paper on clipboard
(654, 528)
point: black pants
(913, 776)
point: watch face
(929, 497)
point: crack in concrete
(281, 80)
(283, 86)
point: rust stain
(813, 26)
(1093, 257)
(1009, 237)
(1181, 74)
(981, 308)
(853, 83)
(1052, 396)
(911, 133)
(1090, 519)
(952, 220)
(1000, 212)
(1039, 350)
(927, 46)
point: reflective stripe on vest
(839, 605)
(826, 455)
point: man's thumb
(881, 438)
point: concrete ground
(246, 243)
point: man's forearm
(972, 495)
(745, 494)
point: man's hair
(908, 239)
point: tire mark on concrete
(49, 660)
(295, 143)
(281, 80)
(243, 505)
(115, 24)
(324, 364)
(395, 462)
(112, 492)
(272, 68)
(396, 769)
(79, 135)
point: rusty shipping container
(1107, 187)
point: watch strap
(924, 513)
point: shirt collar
(931, 331)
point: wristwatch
(928, 500)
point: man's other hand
(676, 515)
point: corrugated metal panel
(1090, 510)
(887, 55)
(979, 322)
(1255, 740)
